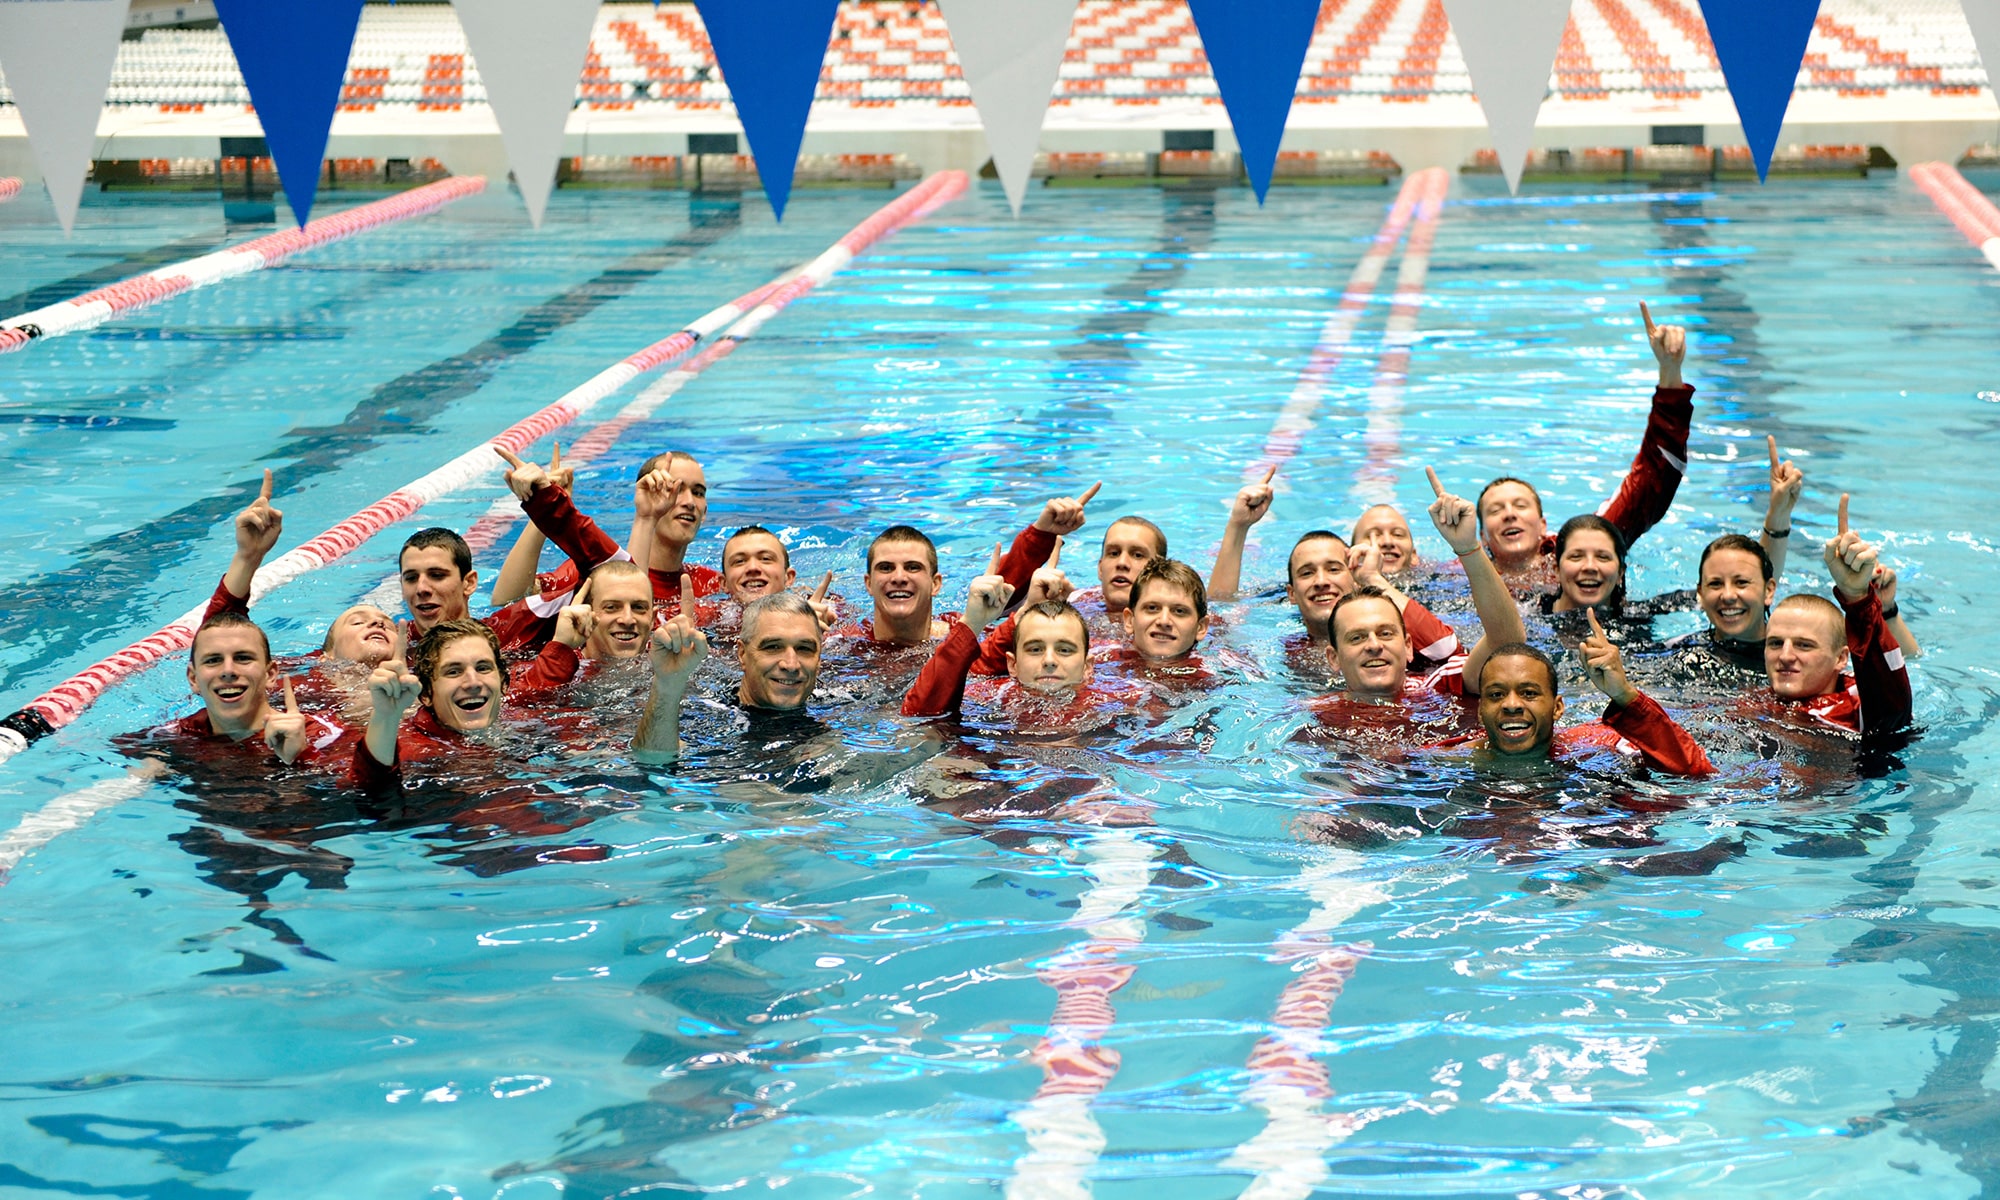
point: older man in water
(779, 651)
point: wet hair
(1055, 610)
(1479, 506)
(231, 620)
(1312, 535)
(1364, 593)
(1175, 574)
(1824, 607)
(1159, 535)
(1522, 650)
(1735, 541)
(663, 459)
(784, 551)
(777, 603)
(903, 533)
(619, 568)
(430, 652)
(436, 538)
(1591, 521)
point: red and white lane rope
(1375, 483)
(66, 701)
(10, 187)
(1287, 1080)
(1968, 207)
(1296, 418)
(93, 308)
(1064, 1139)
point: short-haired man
(610, 619)
(1510, 510)
(230, 669)
(1388, 530)
(778, 649)
(1810, 644)
(1129, 543)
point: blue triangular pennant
(1760, 47)
(293, 57)
(770, 53)
(1256, 48)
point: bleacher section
(413, 58)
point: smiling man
(1519, 705)
(779, 652)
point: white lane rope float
(68, 700)
(94, 308)
(1064, 1138)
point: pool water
(829, 976)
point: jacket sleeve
(556, 665)
(1879, 674)
(1430, 637)
(556, 515)
(520, 628)
(1648, 490)
(992, 658)
(224, 601)
(369, 774)
(1658, 737)
(940, 688)
(1030, 550)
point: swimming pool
(838, 991)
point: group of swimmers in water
(384, 697)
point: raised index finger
(555, 459)
(1085, 498)
(1437, 485)
(291, 701)
(1772, 444)
(1647, 315)
(1596, 630)
(583, 593)
(1270, 474)
(993, 563)
(687, 594)
(1843, 512)
(505, 453)
(264, 497)
(1055, 555)
(819, 593)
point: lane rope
(1296, 418)
(68, 700)
(10, 187)
(94, 308)
(1375, 483)
(1965, 205)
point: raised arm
(257, 530)
(1648, 489)
(940, 687)
(392, 689)
(1880, 677)
(678, 648)
(1635, 716)
(1457, 522)
(1892, 613)
(653, 497)
(549, 506)
(1061, 516)
(517, 574)
(1787, 481)
(1252, 504)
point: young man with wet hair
(1837, 665)
(1520, 703)
(1128, 544)
(1166, 618)
(903, 581)
(230, 670)
(779, 651)
(1510, 509)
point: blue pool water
(833, 990)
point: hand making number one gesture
(822, 607)
(1064, 514)
(679, 645)
(285, 729)
(523, 477)
(1604, 664)
(577, 620)
(1669, 344)
(1456, 518)
(258, 526)
(1049, 582)
(1253, 501)
(990, 593)
(1851, 560)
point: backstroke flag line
(293, 57)
(1510, 50)
(770, 52)
(1760, 46)
(530, 54)
(57, 55)
(1257, 50)
(1012, 54)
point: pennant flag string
(293, 57)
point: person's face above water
(1804, 652)
(1389, 530)
(433, 590)
(780, 659)
(1127, 549)
(1518, 706)
(901, 580)
(1319, 578)
(684, 521)
(1164, 625)
(1370, 648)
(1512, 519)
(230, 672)
(753, 565)
(467, 690)
(1048, 653)
(363, 634)
(1735, 594)
(623, 606)
(1588, 571)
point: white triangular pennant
(57, 55)
(1510, 51)
(1012, 54)
(1984, 16)
(530, 53)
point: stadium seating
(888, 53)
